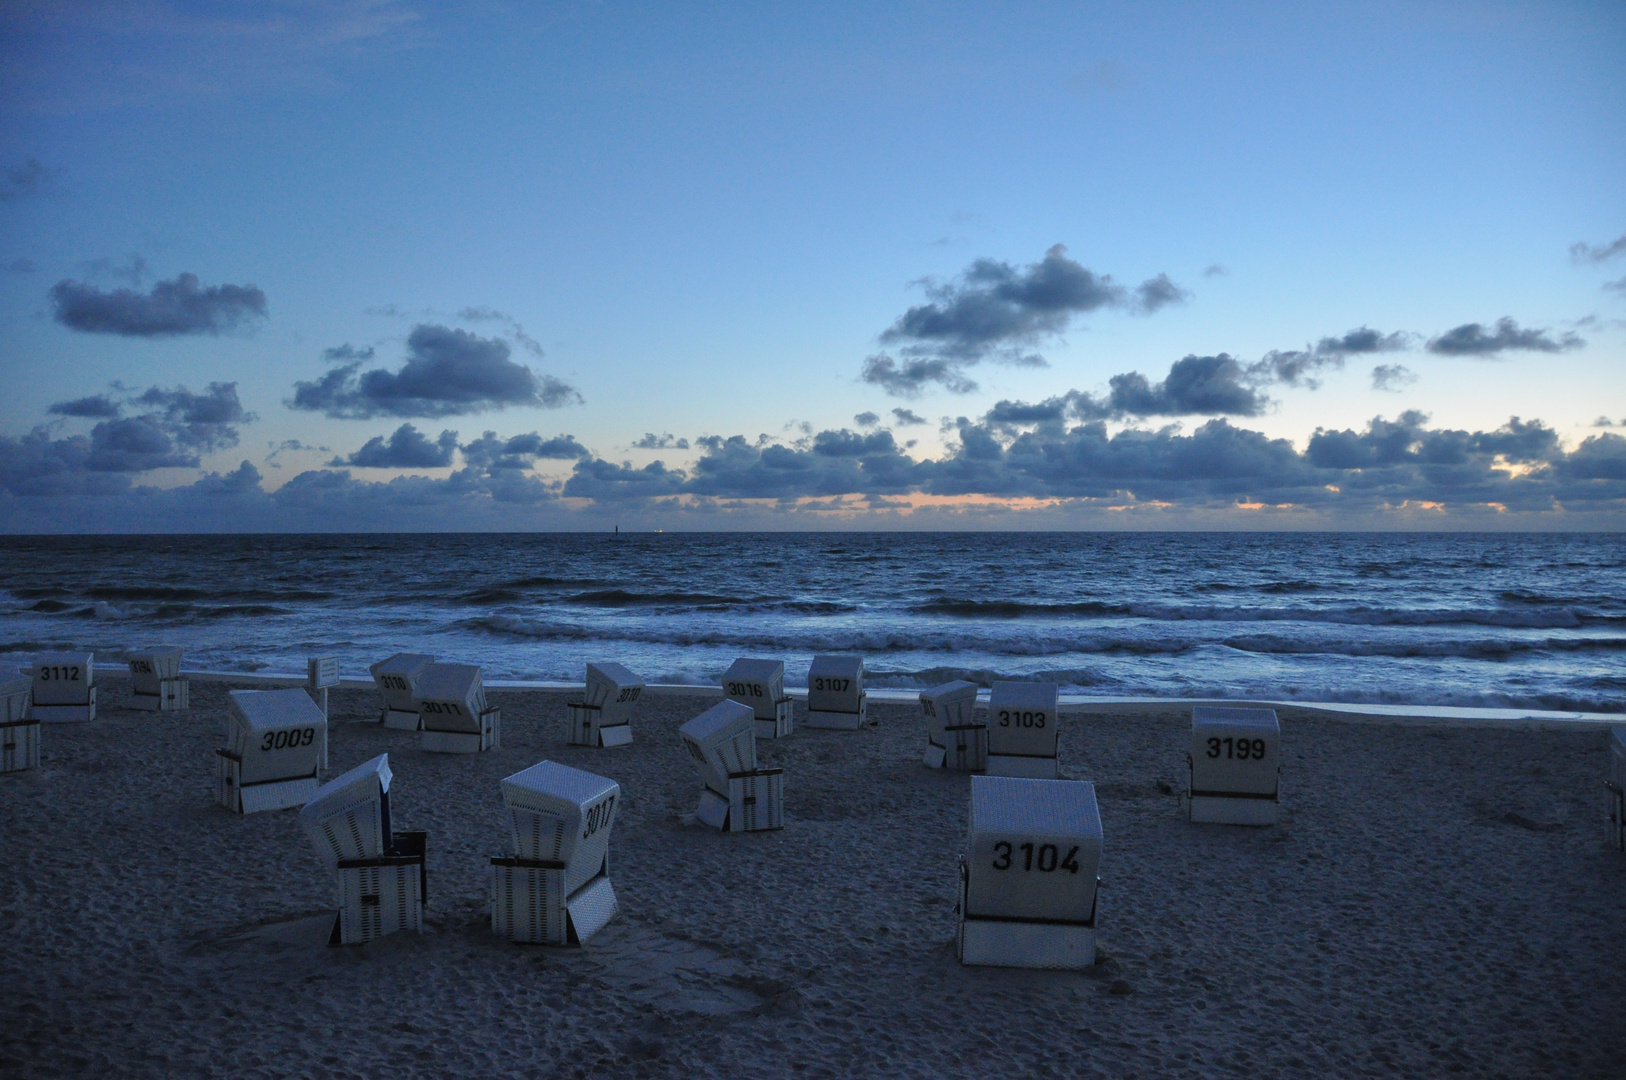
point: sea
(1514, 620)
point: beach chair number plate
(394, 682)
(832, 685)
(1238, 749)
(282, 740)
(743, 689)
(630, 693)
(598, 817)
(450, 708)
(60, 674)
(1023, 718)
(1045, 858)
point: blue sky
(1397, 225)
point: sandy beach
(1438, 901)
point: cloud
(25, 180)
(1618, 285)
(515, 330)
(341, 354)
(1215, 270)
(667, 441)
(1205, 385)
(448, 372)
(1471, 339)
(21, 266)
(521, 451)
(1159, 292)
(1384, 467)
(170, 309)
(995, 311)
(1298, 367)
(1392, 377)
(867, 419)
(205, 422)
(98, 406)
(407, 448)
(907, 417)
(911, 378)
(1582, 252)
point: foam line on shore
(1075, 704)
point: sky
(378, 265)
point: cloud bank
(1473, 339)
(170, 309)
(448, 372)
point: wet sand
(1437, 901)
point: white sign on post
(1028, 879)
(396, 682)
(273, 750)
(554, 887)
(1022, 729)
(451, 702)
(321, 672)
(64, 687)
(835, 693)
(1235, 766)
(19, 732)
(156, 683)
(738, 796)
(380, 874)
(954, 739)
(1616, 787)
(761, 685)
(604, 715)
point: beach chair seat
(452, 707)
(554, 885)
(271, 759)
(380, 874)
(954, 739)
(737, 796)
(835, 693)
(1022, 729)
(1028, 877)
(603, 718)
(761, 685)
(19, 732)
(1234, 766)
(155, 680)
(64, 689)
(396, 679)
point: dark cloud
(1392, 377)
(512, 325)
(170, 309)
(1616, 286)
(22, 181)
(21, 266)
(912, 377)
(521, 451)
(97, 407)
(1215, 270)
(205, 422)
(448, 372)
(606, 482)
(867, 419)
(1195, 385)
(907, 417)
(1603, 421)
(1582, 252)
(342, 354)
(667, 441)
(995, 311)
(1472, 339)
(1159, 292)
(135, 444)
(407, 448)
(1299, 367)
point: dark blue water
(1521, 620)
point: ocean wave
(1540, 618)
(1012, 609)
(1477, 649)
(616, 598)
